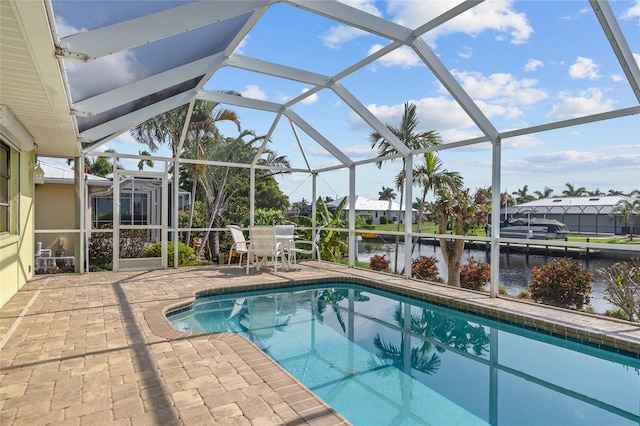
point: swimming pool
(383, 359)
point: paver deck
(95, 348)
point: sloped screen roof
(126, 62)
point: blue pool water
(382, 359)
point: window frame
(5, 191)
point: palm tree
(546, 193)
(626, 209)
(572, 191)
(386, 194)
(222, 182)
(100, 166)
(522, 196)
(412, 139)
(595, 193)
(431, 177)
(143, 162)
(615, 192)
(167, 129)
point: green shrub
(617, 313)
(186, 255)
(524, 294)
(424, 268)
(101, 251)
(562, 283)
(383, 220)
(474, 274)
(502, 290)
(378, 262)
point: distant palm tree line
(522, 195)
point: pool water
(382, 359)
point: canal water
(515, 268)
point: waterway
(515, 268)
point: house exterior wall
(56, 209)
(17, 246)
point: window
(5, 187)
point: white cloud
(339, 34)
(496, 15)
(254, 92)
(533, 64)
(311, 99)
(466, 52)
(439, 114)
(368, 6)
(501, 88)
(114, 70)
(525, 141)
(590, 101)
(617, 78)
(633, 12)
(582, 160)
(403, 57)
(584, 68)
(239, 50)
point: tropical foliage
(410, 137)
(455, 210)
(626, 209)
(623, 287)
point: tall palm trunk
(192, 206)
(395, 263)
(215, 219)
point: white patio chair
(307, 247)
(240, 245)
(285, 235)
(263, 247)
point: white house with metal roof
(376, 209)
(583, 215)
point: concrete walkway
(96, 349)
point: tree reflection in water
(436, 332)
(332, 297)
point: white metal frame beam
(618, 42)
(129, 93)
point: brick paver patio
(95, 349)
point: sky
(524, 63)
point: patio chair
(307, 247)
(263, 247)
(285, 235)
(240, 245)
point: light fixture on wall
(38, 175)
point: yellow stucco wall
(17, 247)
(55, 209)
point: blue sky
(524, 63)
